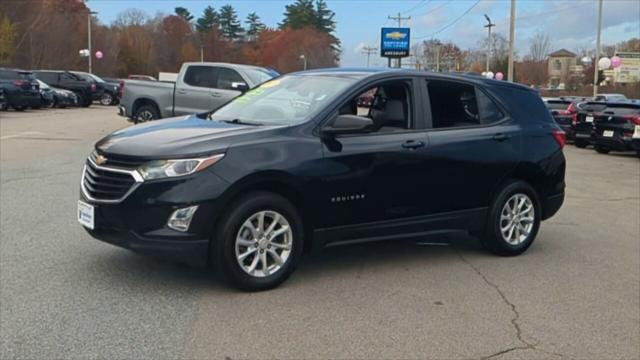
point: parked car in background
(201, 87)
(565, 112)
(291, 167)
(609, 97)
(84, 90)
(583, 129)
(107, 93)
(47, 97)
(118, 82)
(142, 77)
(21, 90)
(3, 100)
(616, 125)
(60, 98)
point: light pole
(512, 40)
(489, 26)
(595, 61)
(89, 39)
(304, 59)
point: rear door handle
(216, 94)
(500, 137)
(412, 144)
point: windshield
(288, 100)
(258, 76)
(43, 85)
(96, 78)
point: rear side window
(201, 76)
(228, 76)
(489, 111)
(522, 104)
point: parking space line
(21, 134)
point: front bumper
(139, 222)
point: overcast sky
(569, 23)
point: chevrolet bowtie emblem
(100, 159)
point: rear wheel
(146, 113)
(581, 143)
(602, 149)
(513, 221)
(258, 242)
(106, 99)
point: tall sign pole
(89, 40)
(595, 62)
(489, 26)
(512, 40)
(399, 19)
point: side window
(489, 111)
(68, 77)
(388, 105)
(453, 104)
(226, 77)
(201, 76)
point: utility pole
(89, 40)
(399, 19)
(595, 61)
(512, 40)
(489, 26)
(368, 50)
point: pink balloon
(616, 61)
(499, 76)
(99, 54)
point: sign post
(395, 43)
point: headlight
(171, 168)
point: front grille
(105, 184)
(119, 161)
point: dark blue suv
(300, 163)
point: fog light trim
(180, 219)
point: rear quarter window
(523, 104)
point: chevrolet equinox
(302, 162)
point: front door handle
(412, 144)
(500, 137)
(182, 92)
(216, 94)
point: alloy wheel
(264, 243)
(517, 219)
(106, 99)
(145, 115)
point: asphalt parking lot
(574, 294)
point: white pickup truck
(200, 87)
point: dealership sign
(394, 42)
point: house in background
(561, 66)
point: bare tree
(539, 48)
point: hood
(186, 136)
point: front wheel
(258, 242)
(513, 221)
(602, 149)
(106, 99)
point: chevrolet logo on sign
(396, 35)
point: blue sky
(569, 23)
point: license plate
(636, 132)
(85, 214)
(588, 119)
(607, 133)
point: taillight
(574, 118)
(19, 83)
(560, 137)
(93, 87)
(572, 108)
(634, 119)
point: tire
(228, 245)
(581, 144)
(493, 239)
(106, 99)
(146, 113)
(602, 149)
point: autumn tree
(178, 37)
(8, 36)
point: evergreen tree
(183, 13)
(254, 25)
(324, 17)
(209, 20)
(229, 23)
(299, 14)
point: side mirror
(349, 124)
(239, 86)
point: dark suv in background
(107, 93)
(616, 126)
(21, 90)
(84, 90)
(565, 112)
(301, 162)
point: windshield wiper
(243, 122)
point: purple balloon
(616, 62)
(499, 76)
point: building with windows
(561, 66)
